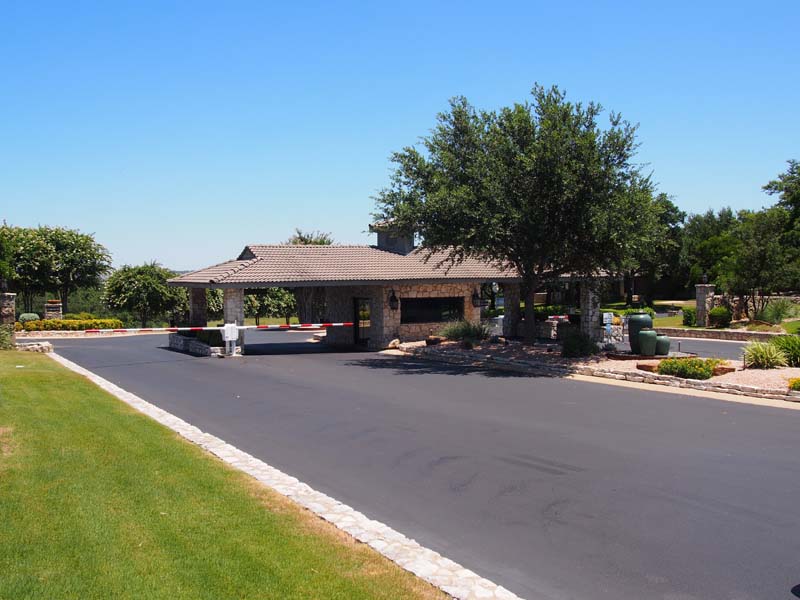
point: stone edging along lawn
(472, 358)
(426, 564)
(737, 335)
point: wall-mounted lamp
(704, 279)
(476, 299)
(394, 303)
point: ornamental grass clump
(465, 330)
(688, 368)
(761, 355)
(790, 346)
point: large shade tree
(143, 291)
(539, 185)
(78, 261)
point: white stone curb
(430, 566)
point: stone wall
(52, 310)
(590, 312)
(233, 309)
(7, 314)
(408, 332)
(198, 307)
(737, 335)
(704, 302)
(385, 323)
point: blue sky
(180, 131)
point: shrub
(80, 316)
(790, 346)
(465, 330)
(777, 310)
(690, 316)
(71, 325)
(625, 312)
(688, 368)
(794, 384)
(761, 355)
(720, 316)
(545, 310)
(25, 317)
(578, 345)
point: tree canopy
(143, 291)
(310, 238)
(539, 185)
(52, 260)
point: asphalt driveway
(554, 488)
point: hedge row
(68, 324)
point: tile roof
(288, 265)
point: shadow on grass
(409, 365)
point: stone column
(233, 309)
(512, 314)
(704, 302)
(7, 313)
(198, 307)
(52, 310)
(590, 311)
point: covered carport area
(376, 294)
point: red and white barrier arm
(176, 329)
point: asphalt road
(554, 488)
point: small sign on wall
(608, 318)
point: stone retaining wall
(738, 335)
(537, 368)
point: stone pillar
(233, 309)
(52, 309)
(512, 314)
(198, 307)
(704, 302)
(590, 312)
(7, 313)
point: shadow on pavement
(406, 365)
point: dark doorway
(361, 319)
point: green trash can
(647, 342)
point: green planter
(647, 342)
(637, 322)
(662, 345)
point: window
(431, 310)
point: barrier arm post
(230, 333)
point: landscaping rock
(43, 347)
(433, 340)
(395, 343)
(650, 367)
(723, 370)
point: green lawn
(791, 326)
(261, 321)
(98, 501)
(676, 321)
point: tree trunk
(64, 294)
(529, 324)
